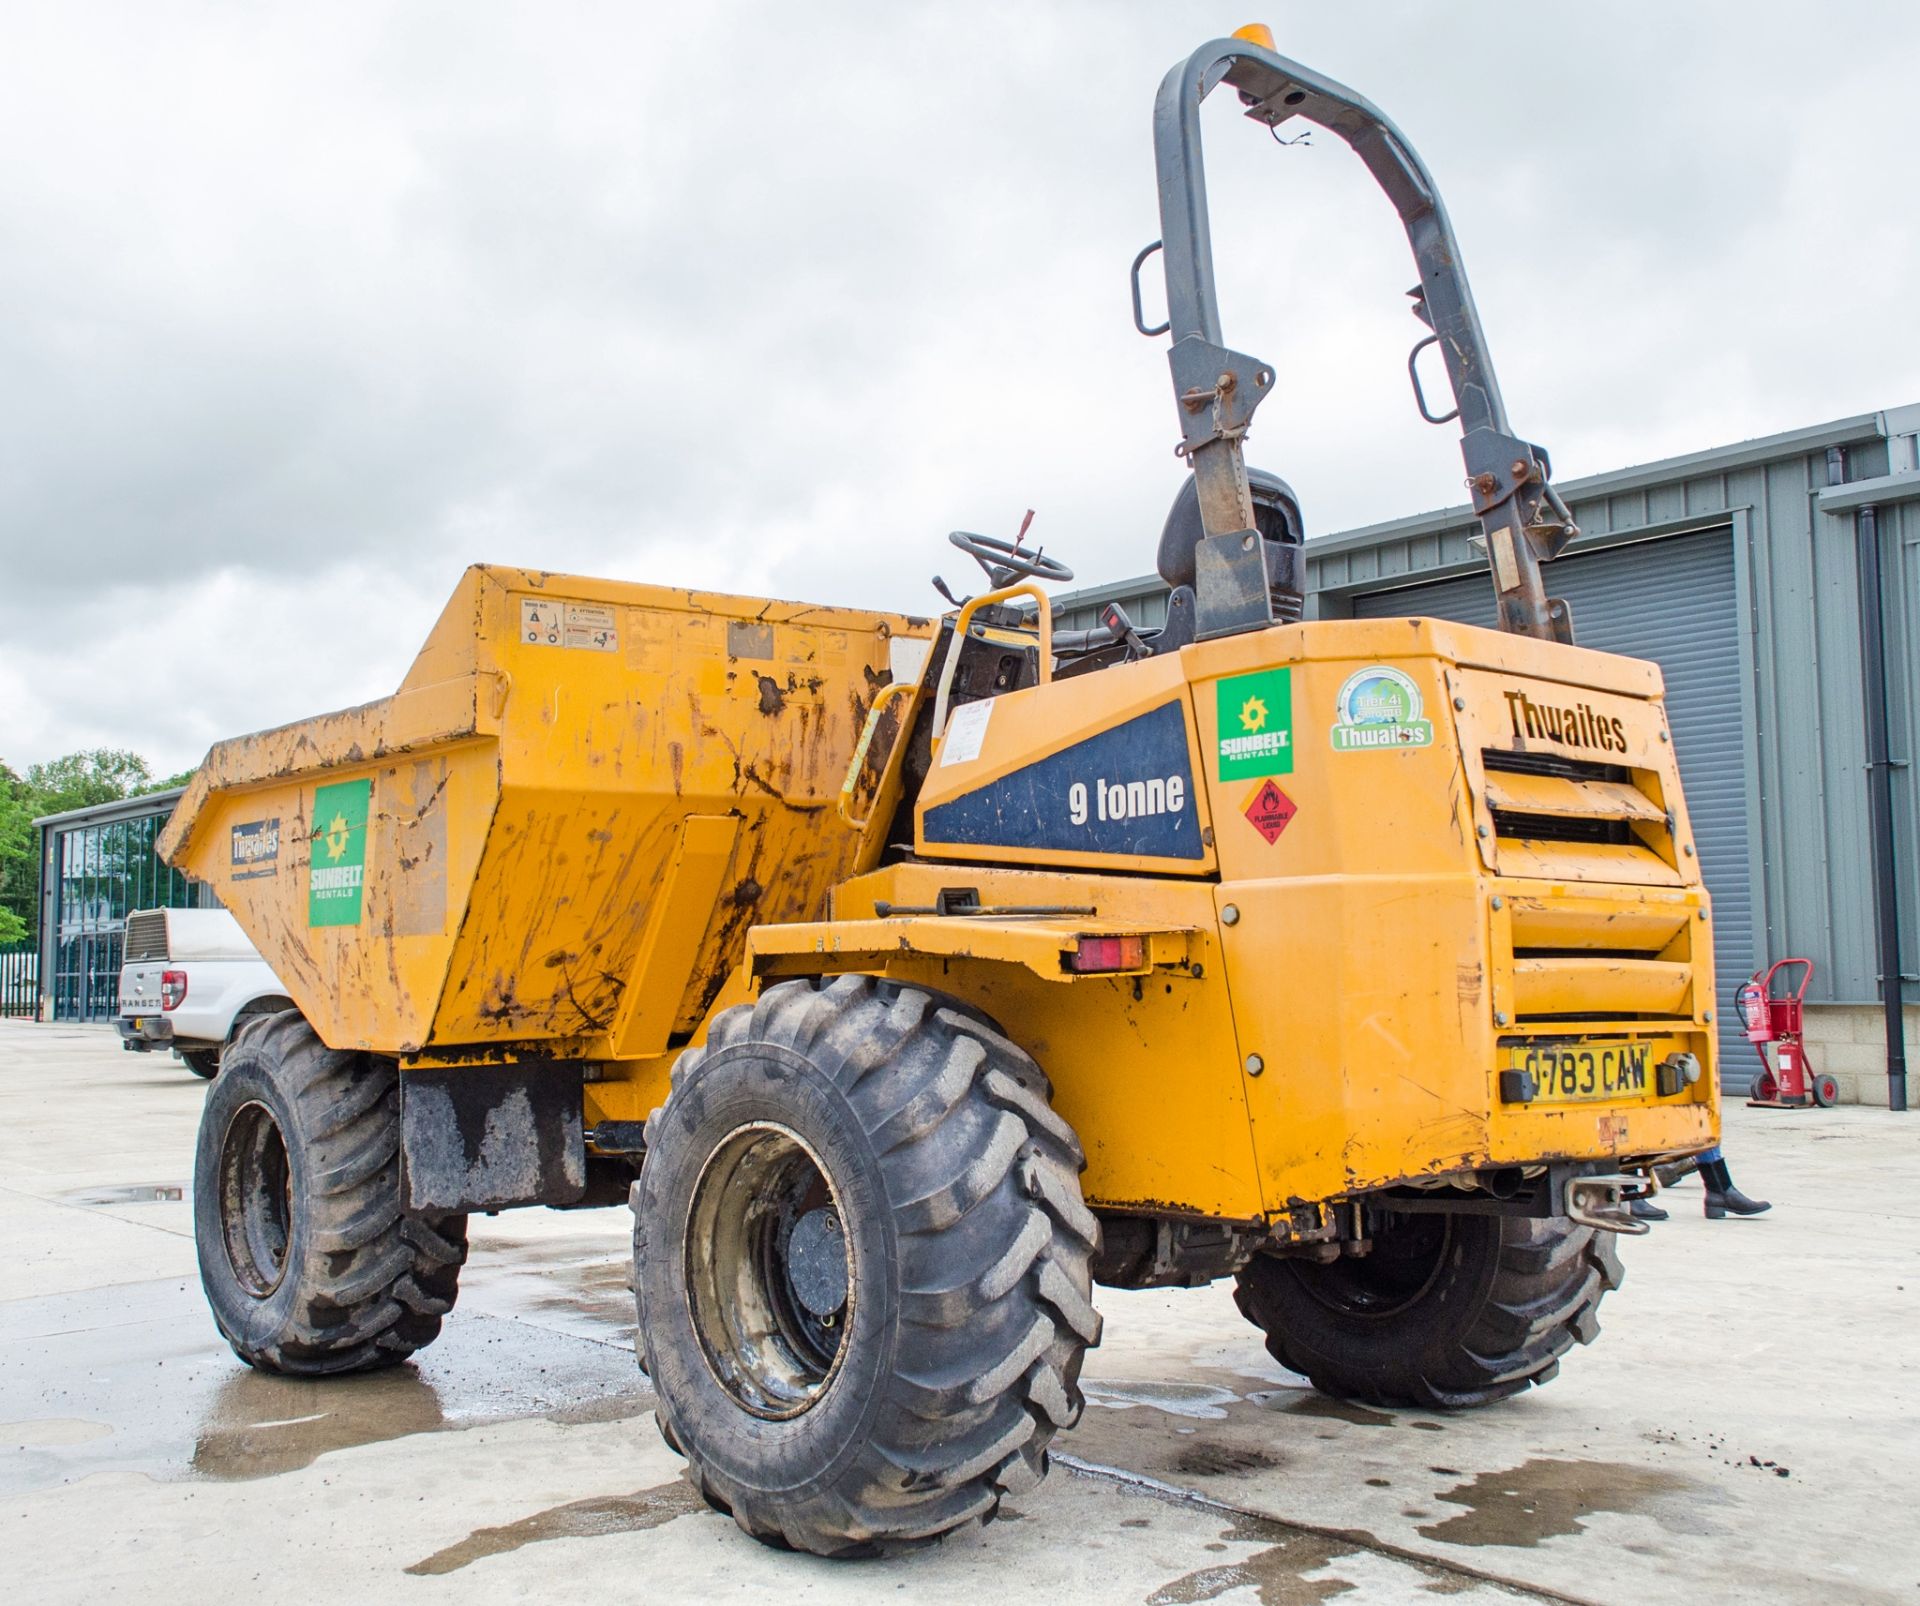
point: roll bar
(1524, 520)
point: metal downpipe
(1886, 893)
(1880, 766)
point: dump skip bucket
(553, 838)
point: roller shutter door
(1672, 601)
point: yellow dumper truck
(909, 976)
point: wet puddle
(581, 1519)
(1231, 1434)
(1298, 1403)
(1200, 1401)
(127, 1193)
(578, 1283)
(1546, 1499)
(1279, 1573)
(135, 1377)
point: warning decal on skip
(590, 626)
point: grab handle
(881, 698)
(972, 606)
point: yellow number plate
(1571, 1072)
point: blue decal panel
(1128, 790)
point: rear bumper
(142, 1034)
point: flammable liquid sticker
(1269, 810)
(336, 883)
(1254, 724)
(1379, 707)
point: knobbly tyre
(910, 976)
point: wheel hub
(817, 1261)
(768, 1274)
(256, 1202)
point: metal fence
(19, 982)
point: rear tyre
(1447, 1312)
(1825, 1090)
(862, 1266)
(309, 1262)
(203, 1062)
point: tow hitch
(1604, 1202)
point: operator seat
(1276, 515)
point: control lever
(1114, 617)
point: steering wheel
(1006, 562)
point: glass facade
(98, 874)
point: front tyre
(1446, 1312)
(309, 1262)
(862, 1266)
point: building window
(101, 874)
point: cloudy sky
(302, 308)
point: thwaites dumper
(912, 976)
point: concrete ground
(1748, 1427)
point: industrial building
(1777, 584)
(97, 865)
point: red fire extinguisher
(1785, 1082)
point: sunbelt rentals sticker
(1254, 724)
(339, 858)
(1379, 707)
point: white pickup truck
(188, 977)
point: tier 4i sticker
(1270, 811)
(1379, 707)
(1254, 724)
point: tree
(97, 775)
(16, 858)
(77, 781)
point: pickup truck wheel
(1447, 1311)
(203, 1062)
(862, 1266)
(308, 1261)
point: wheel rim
(1406, 1258)
(769, 1278)
(256, 1199)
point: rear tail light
(1095, 954)
(173, 988)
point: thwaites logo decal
(1379, 707)
(256, 849)
(1254, 717)
(1581, 725)
(1269, 811)
(337, 876)
(1128, 790)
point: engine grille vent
(1570, 769)
(1559, 828)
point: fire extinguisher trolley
(1786, 1081)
